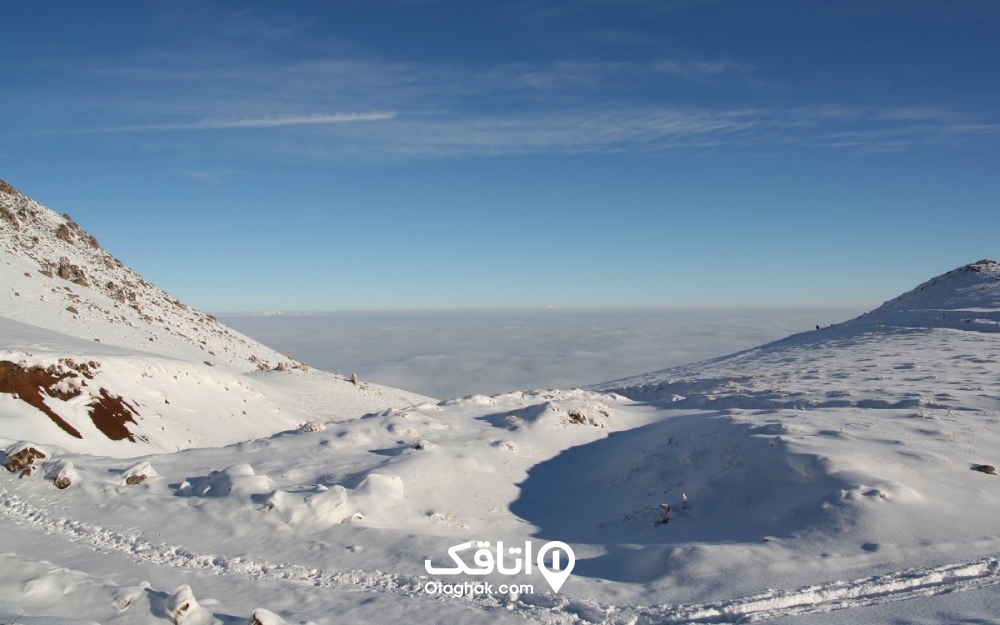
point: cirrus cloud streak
(260, 122)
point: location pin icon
(558, 572)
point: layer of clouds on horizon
(447, 354)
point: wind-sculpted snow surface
(841, 471)
(769, 605)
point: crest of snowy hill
(95, 358)
(967, 298)
(882, 431)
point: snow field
(841, 469)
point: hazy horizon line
(587, 308)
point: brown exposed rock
(985, 468)
(93, 242)
(63, 233)
(85, 368)
(62, 474)
(28, 383)
(47, 273)
(9, 217)
(73, 310)
(24, 459)
(116, 292)
(110, 413)
(71, 272)
(6, 188)
(132, 480)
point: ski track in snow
(546, 607)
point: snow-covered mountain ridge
(112, 303)
(95, 358)
(967, 298)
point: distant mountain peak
(984, 266)
(966, 298)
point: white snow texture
(163, 468)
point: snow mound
(237, 480)
(138, 473)
(265, 617)
(21, 456)
(62, 474)
(182, 608)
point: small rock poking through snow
(62, 474)
(265, 617)
(311, 427)
(21, 456)
(183, 609)
(138, 473)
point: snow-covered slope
(841, 475)
(967, 298)
(95, 358)
(57, 276)
(860, 443)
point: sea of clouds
(454, 353)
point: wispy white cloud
(697, 69)
(623, 127)
(260, 122)
(205, 176)
(455, 110)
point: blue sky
(426, 154)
